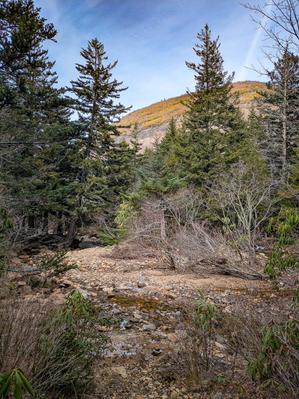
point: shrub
(276, 360)
(284, 225)
(15, 383)
(50, 266)
(54, 348)
(279, 261)
(204, 318)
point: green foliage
(77, 307)
(205, 313)
(68, 347)
(56, 263)
(14, 383)
(213, 128)
(279, 261)
(280, 116)
(276, 361)
(204, 318)
(285, 224)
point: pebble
(149, 327)
(125, 324)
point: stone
(149, 327)
(120, 370)
(89, 242)
(141, 283)
(83, 292)
(65, 283)
(125, 324)
(109, 291)
(156, 352)
(137, 315)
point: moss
(141, 303)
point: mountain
(153, 120)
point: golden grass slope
(160, 113)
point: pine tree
(35, 113)
(280, 112)
(100, 157)
(212, 124)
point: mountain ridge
(152, 121)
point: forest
(218, 195)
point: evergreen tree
(100, 159)
(34, 113)
(212, 126)
(280, 112)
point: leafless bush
(244, 200)
(171, 227)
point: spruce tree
(280, 114)
(100, 157)
(35, 113)
(212, 120)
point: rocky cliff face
(153, 120)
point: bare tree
(279, 19)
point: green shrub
(54, 347)
(71, 340)
(204, 317)
(277, 361)
(284, 225)
(15, 383)
(279, 261)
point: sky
(152, 39)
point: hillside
(153, 120)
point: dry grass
(53, 348)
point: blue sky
(151, 39)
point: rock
(83, 292)
(109, 291)
(217, 395)
(120, 370)
(156, 352)
(149, 327)
(125, 324)
(89, 242)
(137, 315)
(141, 283)
(65, 283)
